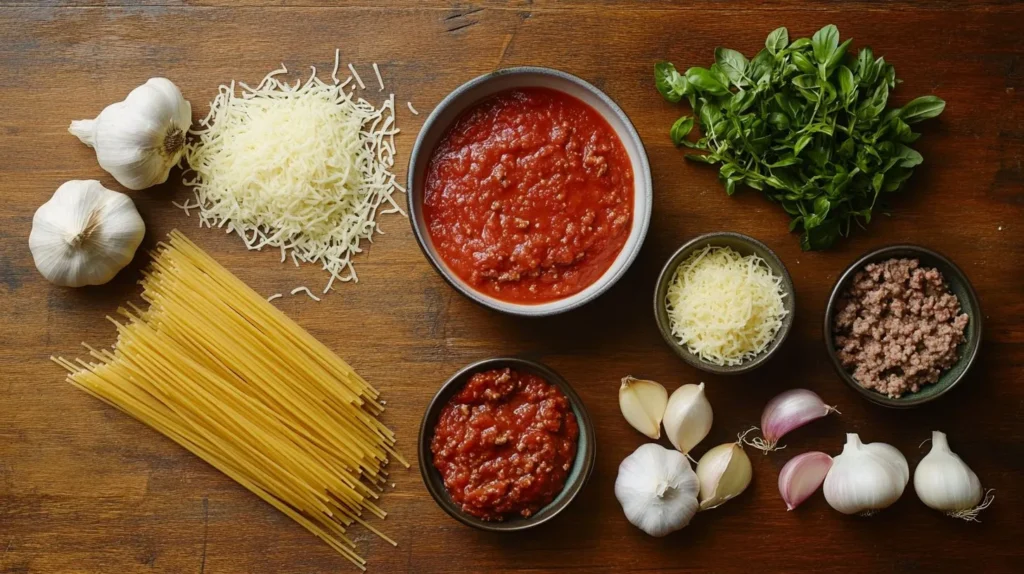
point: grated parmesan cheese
(274, 296)
(305, 290)
(412, 109)
(302, 167)
(355, 75)
(380, 80)
(725, 307)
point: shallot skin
(802, 476)
(790, 410)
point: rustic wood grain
(85, 489)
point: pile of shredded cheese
(725, 307)
(301, 167)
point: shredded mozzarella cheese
(274, 296)
(355, 75)
(725, 307)
(412, 109)
(380, 80)
(302, 167)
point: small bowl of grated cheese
(724, 303)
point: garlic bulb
(85, 234)
(643, 405)
(139, 139)
(657, 489)
(723, 473)
(944, 482)
(688, 417)
(865, 478)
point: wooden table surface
(84, 488)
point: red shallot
(790, 410)
(802, 476)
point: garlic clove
(944, 482)
(788, 411)
(802, 476)
(138, 140)
(723, 472)
(865, 478)
(643, 404)
(657, 489)
(84, 234)
(688, 417)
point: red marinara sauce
(504, 444)
(529, 196)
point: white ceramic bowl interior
(475, 90)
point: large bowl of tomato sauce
(529, 191)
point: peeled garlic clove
(643, 405)
(944, 482)
(802, 476)
(789, 410)
(657, 489)
(723, 472)
(865, 478)
(688, 417)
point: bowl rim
(642, 219)
(971, 351)
(432, 479)
(668, 269)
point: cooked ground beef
(897, 326)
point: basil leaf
(760, 69)
(907, 156)
(837, 56)
(922, 108)
(732, 63)
(846, 83)
(703, 80)
(803, 64)
(824, 43)
(680, 129)
(801, 143)
(820, 236)
(671, 85)
(777, 40)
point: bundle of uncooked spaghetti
(223, 373)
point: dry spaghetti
(219, 370)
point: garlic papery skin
(802, 476)
(788, 411)
(657, 489)
(723, 473)
(865, 478)
(84, 234)
(944, 482)
(688, 417)
(643, 404)
(140, 139)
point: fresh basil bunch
(804, 122)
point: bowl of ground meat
(902, 326)
(506, 445)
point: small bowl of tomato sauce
(529, 191)
(505, 445)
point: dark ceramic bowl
(958, 285)
(470, 93)
(583, 464)
(743, 245)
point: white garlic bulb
(688, 417)
(944, 482)
(84, 234)
(657, 489)
(140, 139)
(865, 478)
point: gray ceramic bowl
(583, 465)
(958, 284)
(744, 245)
(452, 106)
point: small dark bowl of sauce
(505, 445)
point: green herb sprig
(806, 123)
